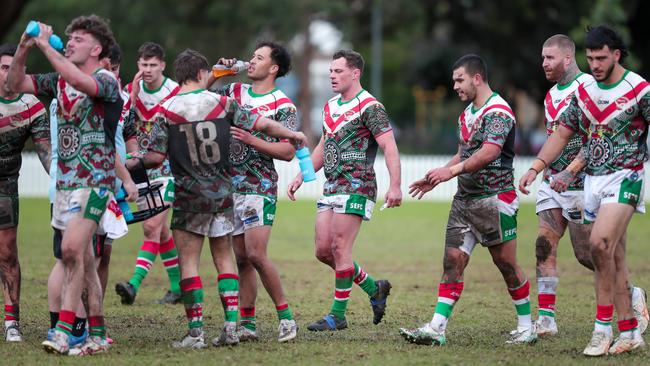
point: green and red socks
(604, 316)
(448, 295)
(546, 289)
(364, 280)
(626, 327)
(284, 312)
(146, 257)
(228, 286)
(192, 296)
(521, 299)
(343, 287)
(247, 318)
(65, 322)
(169, 256)
(12, 314)
(97, 327)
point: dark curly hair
(604, 35)
(95, 26)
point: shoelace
(596, 339)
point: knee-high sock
(146, 257)
(169, 256)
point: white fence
(34, 180)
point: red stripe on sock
(150, 246)
(224, 276)
(167, 246)
(342, 294)
(194, 312)
(451, 290)
(143, 263)
(546, 301)
(190, 284)
(627, 324)
(281, 307)
(361, 276)
(66, 316)
(345, 273)
(230, 300)
(95, 321)
(248, 312)
(10, 313)
(520, 293)
(604, 313)
(171, 262)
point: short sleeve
(45, 84)
(161, 134)
(108, 88)
(644, 106)
(240, 117)
(570, 118)
(40, 126)
(497, 126)
(376, 120)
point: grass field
(403, 245)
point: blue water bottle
(120, 197)
(33, 30)
(306, 166)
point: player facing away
(22, 116)
(194, 132)
(560, 197)
(255, 185)
(484, 209)
(150, 87)
(611, 115)
(86, 160)
(354, 125)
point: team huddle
(209, 148)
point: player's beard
(608, 73)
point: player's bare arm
(275, 129)
(386, 141)
(17, 81)
(560, 182)
(125, 176)
(421, 186)
(479, 160)
(550, 151)
(79, 80)
(44, 152)
(277, 150)
(317, 161)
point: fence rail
(33, 181)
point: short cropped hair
(473, 65)
(561, 41)
(188, 64)
(604, 35)
(97, 27)
(353, 59)
(8, 49)
(151, 49)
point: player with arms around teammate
(86, 163)
(560, 198)
(21, 116)
(354, 125)
(611, 115)
(150, 87)
(484, 210)
(194, 132)
(255, 184)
